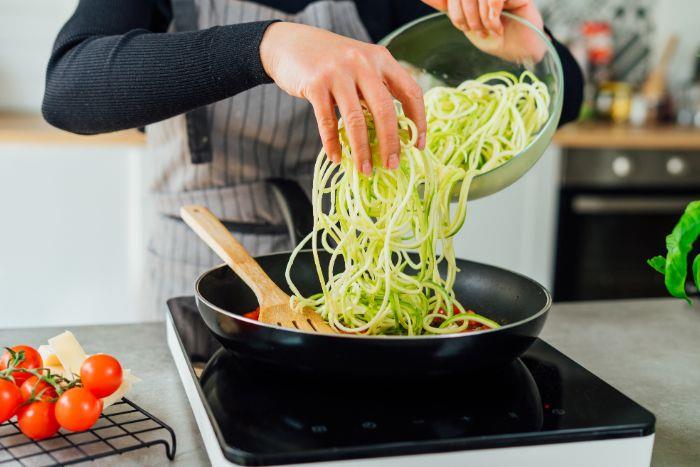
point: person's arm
(113, 66)
(573, 83)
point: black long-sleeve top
(114, 66)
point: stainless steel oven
(615, 210)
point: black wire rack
(121, 428)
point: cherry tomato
(101, 374)
(441, 311)
(37, 420)
(255, 314)
(32, 360)
(10, 399)
(472, 326)
(41, 389)
(78, 409)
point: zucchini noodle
(390, 235)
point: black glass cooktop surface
(264, 417)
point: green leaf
(658, 263)
(679, 243)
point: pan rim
(547, 306)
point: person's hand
(483, 24)
(331, 70)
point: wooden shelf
(600, 135)
(31, 128)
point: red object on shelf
(599, 41)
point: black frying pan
(516, 302)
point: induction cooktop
(543, 409)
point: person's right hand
(482, 23)
(330, 70)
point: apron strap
(295, 206)
(198, 137)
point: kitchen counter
(648, 349)
(606, 135)
(31, 128)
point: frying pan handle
(208, 227)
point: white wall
(682, 18)
(27, 31)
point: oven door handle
(587, 204)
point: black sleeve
(573, 83)
(113, 66)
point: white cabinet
(515, 228)
(71, 234)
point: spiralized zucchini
(391, 233)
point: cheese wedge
(69, 352)
(50, 359)
(64, 355)
(127, 380)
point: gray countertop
(648, 349)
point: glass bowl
(437, 53)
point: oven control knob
(621, 166)
(675, 166)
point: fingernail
(421, 141)
(366, 168)
(393, 161)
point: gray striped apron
(256, 135)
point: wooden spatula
(274, 303)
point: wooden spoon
(274, 303)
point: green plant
(679, 243)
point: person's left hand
(482, 23)
(330, 70)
